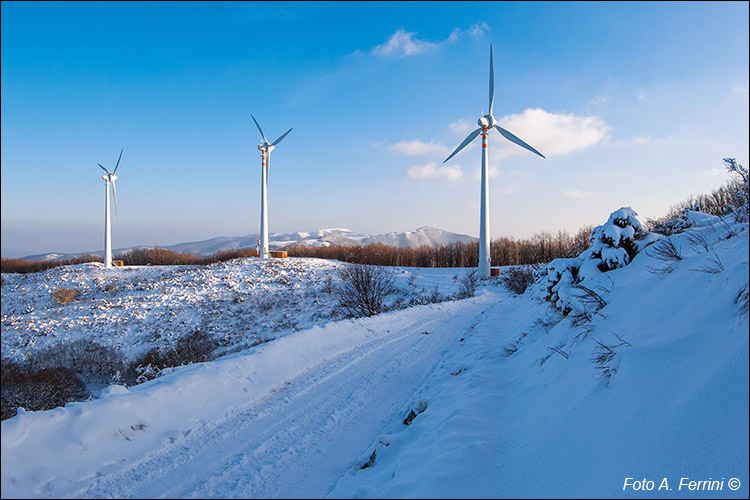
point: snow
(508, 401)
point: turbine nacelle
(266, 148)
(487, 122)
(109, 178)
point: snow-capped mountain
(425, 235)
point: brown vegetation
(138, 257)
(541, 247)
(23, 266)
(64, 295)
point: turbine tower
(486, 123)
(109, 180)
(265, 148)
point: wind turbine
(109, 180)
(486, 123)
(265, 161)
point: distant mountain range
(426, 235)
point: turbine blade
(513, 138)
(470, 138)
(259, 129)
(105, 170)
(118, 161)
(280, 138)
(114, 198)
(268, 168)
(492, 82)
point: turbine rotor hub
(487, 122)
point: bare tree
(363, 289)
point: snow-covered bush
(613, 245)
(740, 190)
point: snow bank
(525, 409)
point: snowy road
(312, 429)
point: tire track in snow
(301, 438)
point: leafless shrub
(518, 279)
(583, 332)
(666, 251)
(661, 270)
(363, 289)
(38, 390)
(731, 233)
(602, 358)
(580, 318)
(468, 284)
(91, 360)
(604, 355)
(194, 348)
(588, 298)
(698, 241)
(742, 299)
(64, 295)
(715, 265)
(412, 280)
(434, 296)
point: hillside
(509, 397)
(426, 235)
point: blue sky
(633, 104)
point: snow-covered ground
(507, 397)
(242, 302)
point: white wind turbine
(486, 123)
(265, 156)
(109, 180)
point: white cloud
(553, 133)
(476, 30)
(403, 44)
(739, 90)
(419, 148)
(432, 170)
(479, 29)
(454, 36)
(576, 193)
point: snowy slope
(242, 302)
(533, 423)
(504, 415)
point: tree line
(505, 251)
